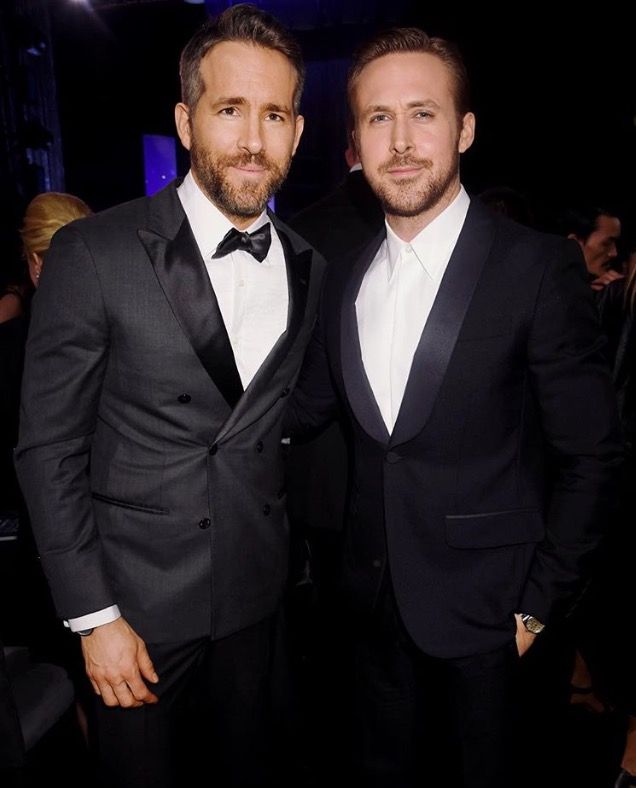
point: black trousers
(214, 716)
(421, 720)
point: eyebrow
(230, 100)
(410, 105)
(240, 101)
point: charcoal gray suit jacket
(154, 481)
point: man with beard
(166, 336)
(464, 351)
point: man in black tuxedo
(465, 353)
(166, 336)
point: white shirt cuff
(92, 620)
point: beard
(409, 198)
(247, 200)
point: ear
(34, 261)
(467, 133)
(298, 133)
(182, 122)
(574, 237)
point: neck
(407, 227)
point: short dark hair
(412, 39)
(244, 22)
(581, 221)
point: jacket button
(185, 398)
(284, 392)
(205, 523)
(281, 493)
(267, 509)
(213, 449)
(377, 563)
(259, 447)
(393, 457)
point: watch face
(532, 624)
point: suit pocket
(494, 529)
(136, 507)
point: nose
(251, 138)
(400, 136)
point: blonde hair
(44, 216)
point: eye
(275, 117)
(424, 114)
(379, 117)
(228, 111)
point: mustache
(404, 161)
(243, 160)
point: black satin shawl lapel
(261, 393)
(442, 328)
(359, 392)
(184, 279)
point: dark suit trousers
(419, 719)
(213, 717)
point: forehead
(240, 69)
(403, 77)
(608, 225)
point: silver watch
(532, 624)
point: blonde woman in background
(44, 216)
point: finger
(108, 696)
(146, 667)
(140, 691)
(125, 697)
(95, 686)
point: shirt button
(185, 398)
(213, 449)
(267, 509)
(259, 447)
(205, 523)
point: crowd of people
(407, 399)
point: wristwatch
(84, 632)
(532, 624)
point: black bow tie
(256, 243)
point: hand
(524, 638)
(605, 278)
(117, 663)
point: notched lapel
(182, 275)
(263, 390)
(442, 328)
(358, 388)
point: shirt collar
(209, 225)
(434, 244)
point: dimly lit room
(317, 457)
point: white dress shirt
(395, 300)
(253, 298)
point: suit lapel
(359, 392)
(262, 390)
(182, 275)
(440, 333)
